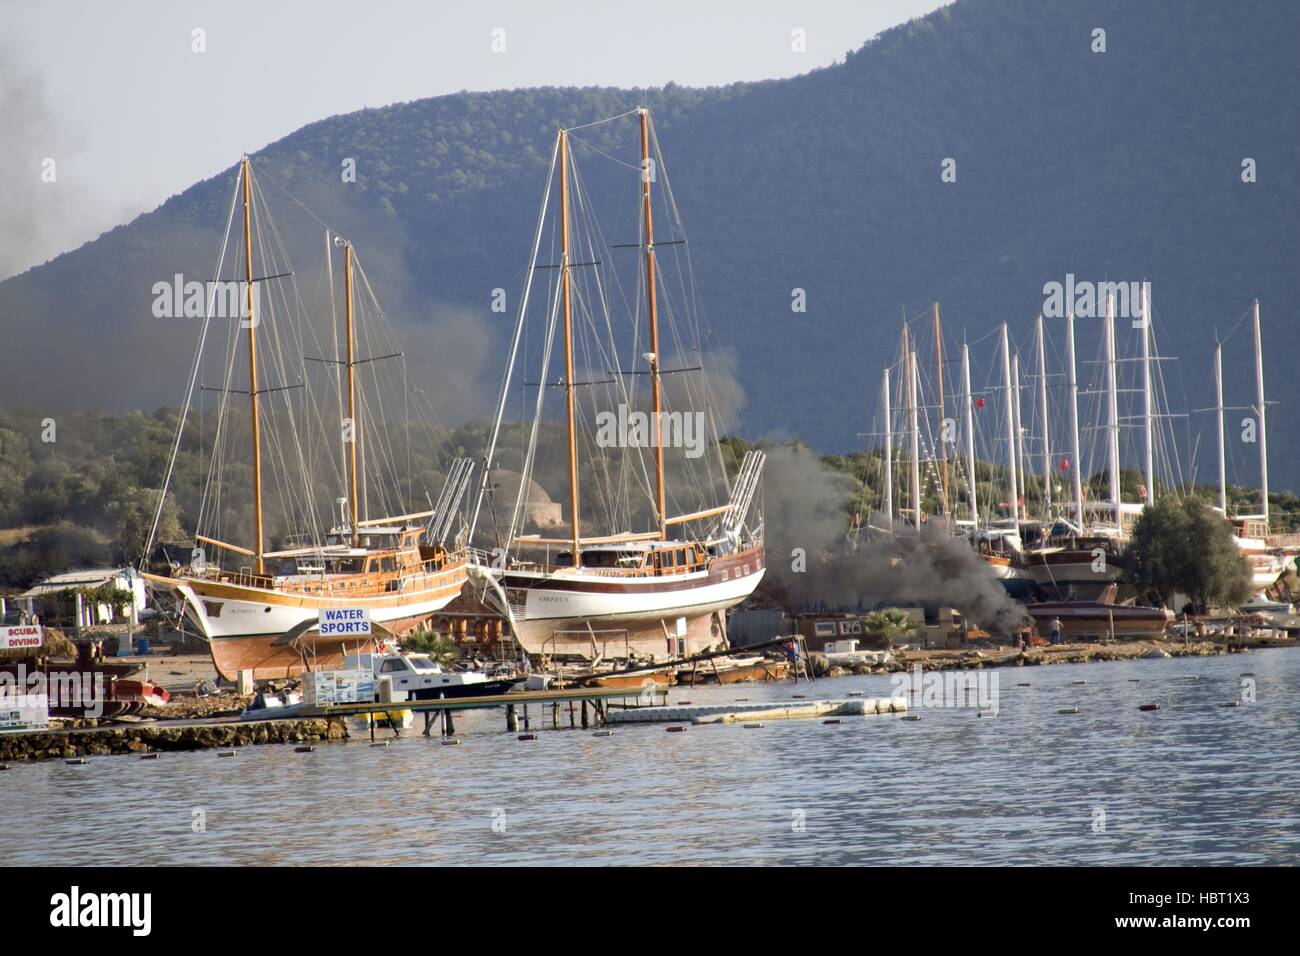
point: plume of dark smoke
(815, 564)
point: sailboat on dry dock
(259, 608)
(651, 583)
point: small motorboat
(418, 677)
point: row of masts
(1011, 387)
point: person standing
(1054, 628)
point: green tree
(441, 650)
(889, 624)
(1180, 545)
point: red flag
(979, 402)
(1065, 464)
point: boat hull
(245, 625)
(1073, 574)
(1092, 620)
(588, 615)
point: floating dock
(598, 698)
(759, 710)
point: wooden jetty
(599, 699)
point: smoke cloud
(815, 564)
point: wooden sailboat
(259, 609)
(659, 593)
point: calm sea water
(1192, 783)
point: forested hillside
(1124, 164)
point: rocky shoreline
(1041, 656)
(159, 738)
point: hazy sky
(114, 93)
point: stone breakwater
(1060, 654)
(155, 738)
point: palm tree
(441, 650)
(889, 625)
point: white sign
(344, 622)
(21, 637)
(20, 712)
(324, 688)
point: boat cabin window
(387, 564)
(423, 664)
(345, 566)
(393, 665)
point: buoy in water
(380, 743)
(798, 696)
(304, 750)
(1078, 682)
(451, 742)
(833, 721)
(855, 693)
(603, 733)
(910, 717)
(527, 737)
(1024, 685)
(675, 730)
(1231, 703)
(77, 762)
(150, 756)
(1148, 706)
(1068, 710)
(753, 726)
(228, 753)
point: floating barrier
(228, 753)
(910, 717)
(527, 737)
(76, 763)
(1068, 710)
(753, 726)
(603, 733)
(1231, 703)
(834, 720)
(675, 730)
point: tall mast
(568, 345)
(354, 513)
(970, 434)
(914, 427)
(1263, 430)
(1112, 414)
(1020, 434)
(1147, 441)
(1218, 407)
(887, 501)
(252, 369)
(1042, 413)
(660, 496)
(943, 446)
(1011, 431)
(1076, 471)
